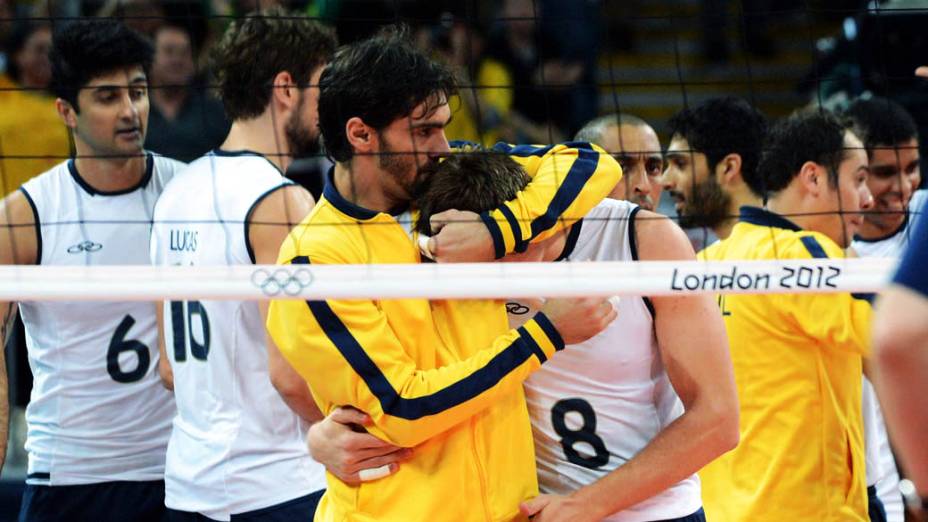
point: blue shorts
(875, 506)
(301, 509)
(102, 502)
(699, 516)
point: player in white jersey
(890, 137)
(98, 419)
(237, 449)
(612, 439)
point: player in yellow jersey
(797, 357)
(450, 384)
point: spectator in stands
(32, 138)
(484, 100)
(539, 76)
(185, 121)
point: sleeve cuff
(499, 245)
(544, 334)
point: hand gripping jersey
(597, 404)
(236, 446)
(98, 411)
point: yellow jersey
(798, 364)
(444, 376)
(33, 138)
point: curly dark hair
(475, 179)
(723, 126)
(816, 136)
(880, 122)
(257, 48)
(85, 49)
(378, 80)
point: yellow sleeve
(348, 353)
(567, 181)
(840, 320)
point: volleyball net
(650, 61)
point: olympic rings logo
(282, 280)
(84, 246)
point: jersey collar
(765, 218)
(343, 205)
(149, 167)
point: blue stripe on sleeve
(814, 247)
(521, 246)
(579, 174)
(527, 338)
(499, 244)
(460, 144)
(390, 401)
(553, 335)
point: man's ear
(728, 170)
(362, 137)
(285, 93)
(66, 112)
(812, 178)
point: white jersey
(893, 244)
(596, 406)
(236, 446)
(881, 466)
(98, 411)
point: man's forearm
(681, 449)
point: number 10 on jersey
(189, 322)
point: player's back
(797, 362)
(597, 404)
(236, 446)
(98, 412)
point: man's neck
(740, 197)
(109, 174)
(260, 135)
(870, 230)
(360, 184)
(790, 207)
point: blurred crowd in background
(532, 71)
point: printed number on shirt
(192, 326)
(585, 436)
(119, 345)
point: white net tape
(437, 281)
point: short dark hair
(378, 80)
(816, 136)
(85, 49)
(476, 180)
(257, 48)
(594, 130)
(723, 126)
(880, 122)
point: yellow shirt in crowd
(446, 380)
(29, 126)
(797, 361)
